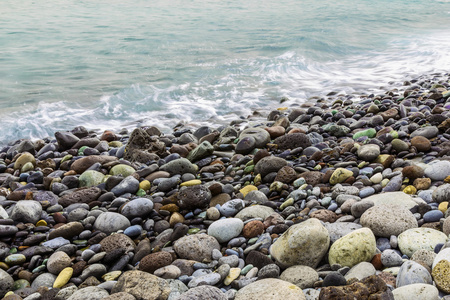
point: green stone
(299, 182)
(15, 259)
(249, 169)
(333, 112)
(66, 158)
(368, 132)
(141, 193)
(20, 284)
(39, 269)
(81, 150)
(326, 201)
(122, 169)
(394, 134)
(13, 251)
(91, 178)
(115, 144)
(80, 242)
(288, 202)
(202, 215)
(250, 163)
(446, 94)
(201, 151)
(193, 230)
(246, 269)
(252, 241)
(27, 167)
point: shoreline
(310, 201)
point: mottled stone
(387, 220)
(302, 244)
(142, 285)
(270, 289)
(353, 248)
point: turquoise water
(113, 64)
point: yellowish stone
(176, 218)
(282, 108)
(232, 275)
(41, 223)
(257, 179)
(63, 278)
(340, 175)
(287, 203)
(410, 190)
(170, 207)
(3, 266)
(191, 182)
(145, 185)
(441, 275)
(384, 182)
(247, 189)
(115, 144)
(10, 293)
(443, 206)
(111, 275)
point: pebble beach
(341, 197)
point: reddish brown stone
(312, 177)
(108, 136)
(253, 229)
(413, 172)
(324, 215)
(275, 131)
(180, 150)
(421, 143)
(376, 261)
(154, 261)
(286, 174)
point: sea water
(109, 64)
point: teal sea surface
(109, 64)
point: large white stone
(416, 291)
(414, 239)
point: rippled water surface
(111, 64)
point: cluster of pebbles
(338, 198)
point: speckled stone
(414, 239)
(270, 289)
